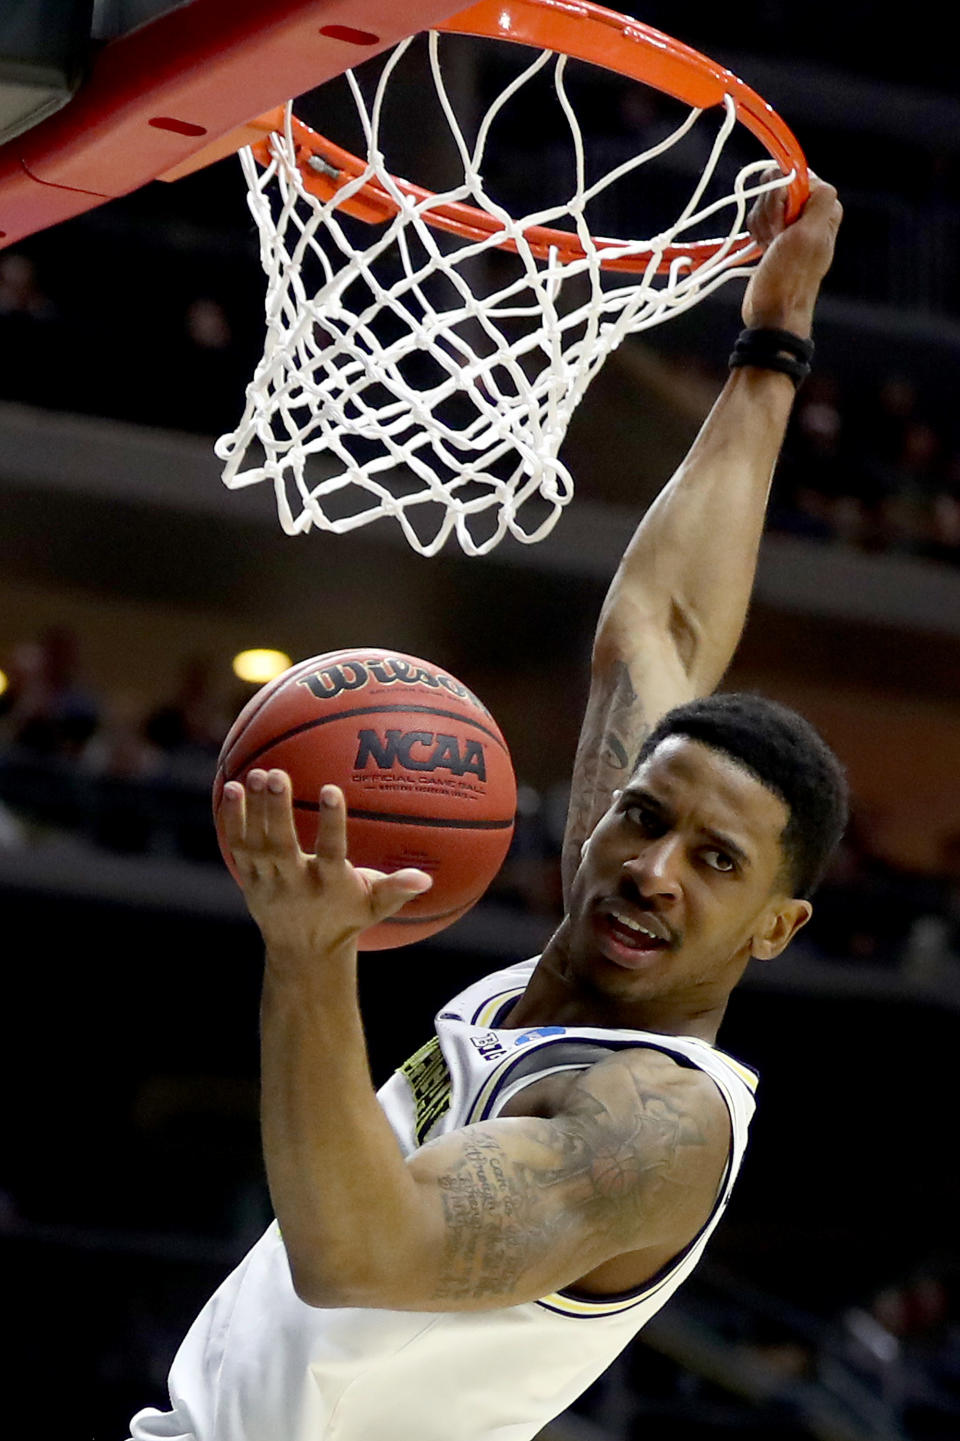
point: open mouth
(627, 936)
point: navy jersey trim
(502, 1010)
(582, 1048)
(626, 1300)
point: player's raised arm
(676, 607)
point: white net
(431, 378)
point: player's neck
(557, 996)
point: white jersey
(258, 1364)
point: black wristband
(774, 350)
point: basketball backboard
(156, 94)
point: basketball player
(460, 1256)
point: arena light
(259, 666)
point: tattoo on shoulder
(635, 1141)
(615, 1155)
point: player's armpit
(513, 1209)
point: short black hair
(788, 756)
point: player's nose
(656, 870)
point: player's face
(680, 883)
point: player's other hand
(783, 289)
(305, 905)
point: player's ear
(779, 929)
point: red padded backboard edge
(169, 88)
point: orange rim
(586, 32)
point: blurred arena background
(131, 1181)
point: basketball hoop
(402, 383)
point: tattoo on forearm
(614, 727)
(606, 1163)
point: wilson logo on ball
(350, 675)
(420, 751)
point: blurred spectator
(871, 473)
(944, 539)
(891, 412)
(119, 756)
(865, 908)
(120, 748)
(950, 881)
(912, 1309)
(189, 728)
(814, 481)
(530, 877)
(918, 1314)
(11, 835)
(22, 671)
(20, 292)
(933, 946)
(187, 732)
(210, 375)
(30, 366)
(47, 710)
(207, 325)
(912, 482)
(124, 782)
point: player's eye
(719, 860)
(644, 819)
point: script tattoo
(601, 1167)
(487, 1232)
(613, 729)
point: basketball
(424, 769)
